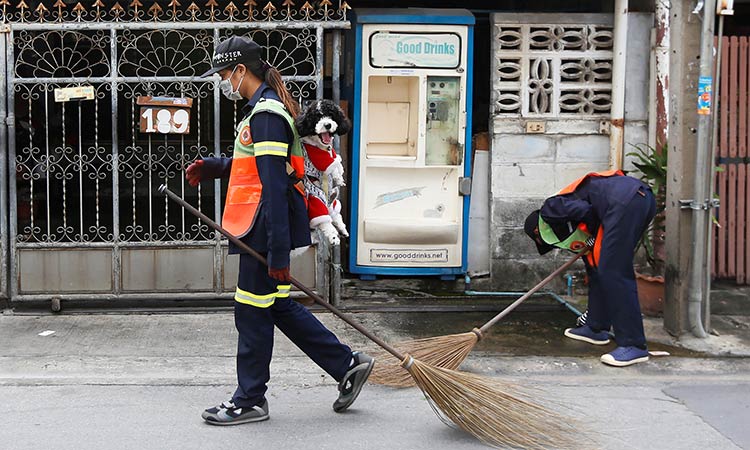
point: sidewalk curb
(194, 371)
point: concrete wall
(527, 168)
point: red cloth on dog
(320, 158)
(317, 211)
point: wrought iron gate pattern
(84, 175)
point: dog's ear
(344, 125)
(299, 123)
(305, 121)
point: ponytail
(274, 81)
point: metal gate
(732, 254)
(83, 218)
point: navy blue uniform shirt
(592, 201)
(281, 223)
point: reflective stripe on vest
(245, 187)
(297, 155)
(262, 300)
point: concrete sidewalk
(140, 382)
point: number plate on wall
(165, 115)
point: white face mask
(228, 90)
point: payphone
(411, 126)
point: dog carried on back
(324, 172)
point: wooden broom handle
(533, 290)
(317, 298)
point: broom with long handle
(451, 350)
(498, 413)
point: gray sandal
(354, 379)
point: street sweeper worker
(615, 210)
(265, 207)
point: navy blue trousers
(256, 328)
(613, 296)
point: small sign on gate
(165, 115)
(68, 94)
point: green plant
(652, 166)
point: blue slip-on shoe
(586, 334)
(625, 356)
(229, 414)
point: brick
(512, 212)
(567, 173)
(512, 243)
(519, 148)
(583, 149)
(522, 274)
(523, 180)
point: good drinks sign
(415, 50)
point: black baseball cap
(531, 227)
(236, 50)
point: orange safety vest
(593, 256)
(245, 187)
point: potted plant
(652, 166)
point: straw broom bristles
(450, 351)
(482, 407)
(498, 413)
(441, 351)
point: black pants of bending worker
(613, 296)
(256, 329)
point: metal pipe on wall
(700, 204)
(619, 50)
(707, 266)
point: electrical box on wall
(412, 103)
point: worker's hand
(194, 172)
(279, 274)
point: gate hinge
(10, 120)
(692, 204)
(4, 28)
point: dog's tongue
(326, 138)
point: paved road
(140, 382)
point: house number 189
(165, 120)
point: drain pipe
(700, 205)
(562, 301)
(708, 266)
(617, 119)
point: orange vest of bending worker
(245, 188)
(593, 256)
